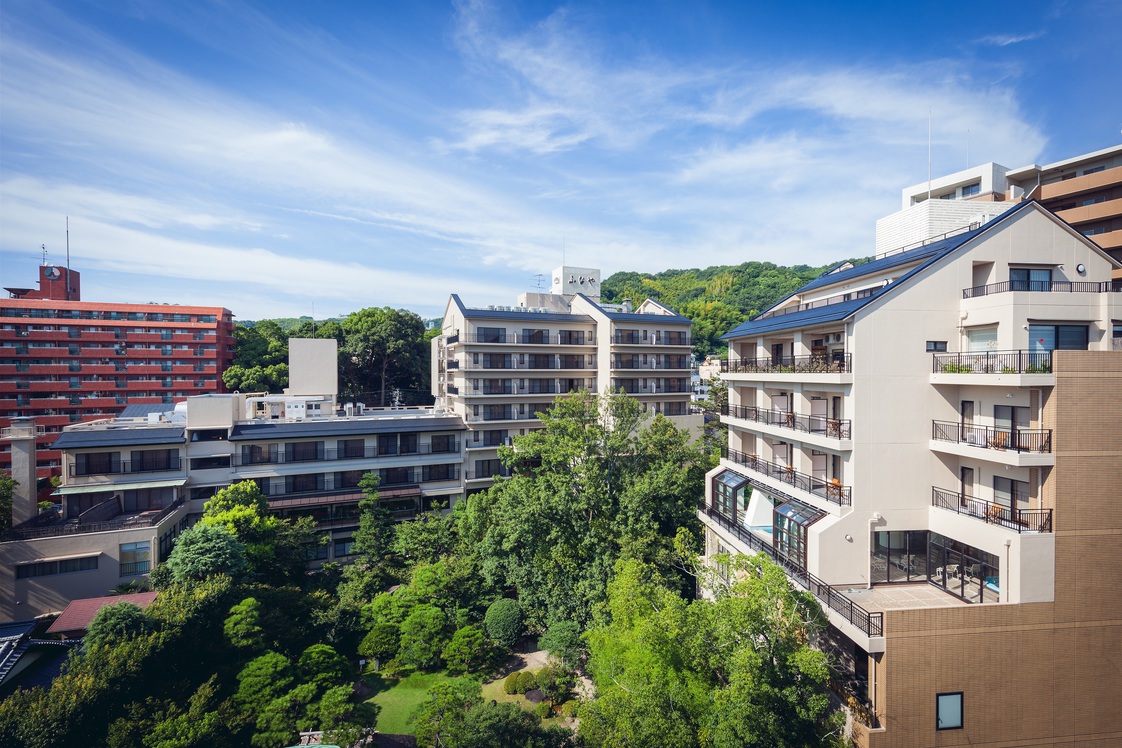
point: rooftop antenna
(562, 251)
(313, 319)
(43, 247)
(968, 148)
(68, 258)
(540, 281)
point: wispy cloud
(1004, 40)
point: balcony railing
(1042, 287)
(125, 466)
(993, 362)
(835, 428)
(34, 529)
(837, 363)
(829, 490)
(872, 623)
(132, 568)
(1021, 520)
(280, 457)
(988, 437)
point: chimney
(24, 499)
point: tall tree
(7, 490)
(597, 483)
(385, 350)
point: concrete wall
(313, 366)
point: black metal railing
(246, 459)
(836, 428)
(1042, 287)
(989, 437)
(1021, 520)
(993, 362)
(831, 491)
(32, 529)
(132, 568)
(836, 363)
(872, 623)
(125, 466)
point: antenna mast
(68, 258)
(928, 154)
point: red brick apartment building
(64, 360)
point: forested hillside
(716, 298)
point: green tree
(263, 679)
(207, 550)
(456, 716)
(381, 643)
(426, 538)
(322, 666)
(504, 621)
(466, 651)
(422, 636)
(597, 483)
(243, 625)
(116, 622)
(8, 486)
(563, 640)
(385, 349)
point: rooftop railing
(837, 363)
(835, 428)
(872, 623)
(1042, 287)
(992, 362)
(1021, 520)
(989, 437)
(34, 529)
(831, 491)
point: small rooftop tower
(569, 281)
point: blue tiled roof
(925, 255)
(121, 437)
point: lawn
(398, 699)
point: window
(1030, 279)
(209, 435)
(350, 448)
(936, 346)
(443, 443)
(948, 711)
(1057, 337)
(730, 493)
(535, 337)
(210, 463)
(134, 558)
(303, 451)
(49, 568)
(972, 189)
(301, 483)
(97, 463)
(344, 547)
(491, 334)
(789, 530)
(387, 444)
(348, 478)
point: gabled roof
(130, 436)
(78, 614)
(926, 255)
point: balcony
(48, 525)
(833, 428)
(993, 362)
(1042, 287)
(837, 363)
(988, 437)
(871, 624)
(279, 457)
(831, 491)
(125, 467)
(1019, 520)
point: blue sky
(279, 157)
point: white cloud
(1004, 40)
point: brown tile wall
(1042, 674)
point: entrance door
(966, 484)
(966, 419)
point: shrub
(562, 640)
(526, 681)
(510, 683)
(543, 710)
(569, 708)
(466, 651)
(503, 621)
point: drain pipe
(1004, 596)
(872, 544)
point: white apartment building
(498, 367)
(929, 443)
(132, 484)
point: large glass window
(730, 493)
(351, 448)
(491, 334)
(303, 451)
(790, 530)
(962, 570)
(899, 556)
(1057, 338)
(134, 558)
